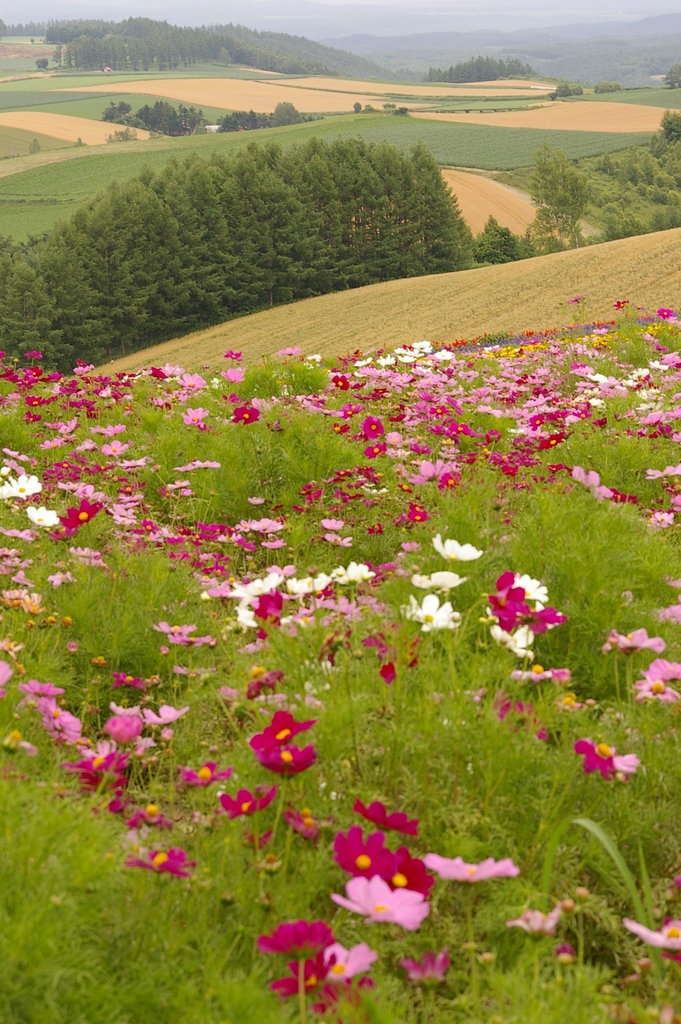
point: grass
(16, 141)
(93, 106)
(87, 938)
(512, 297)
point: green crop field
(32, 99)
(32, 200)
(665, 98)
(15, 142)
(89, 106)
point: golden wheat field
(581, 117)
(240, 94)
(481, 197)
(61, 126)
(430, 91)
(528, 295)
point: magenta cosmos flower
(300, 939)
(534, 922)
(103, 773)
(77, 517)
(457, 870)
(430, 970)
(398, 821)
(174, 862)
(668, 937)
(206, 774)
(280, 731)
(376, 901)
(362, 858)
(245, 414)
(633, 642)
(149, 815)
(245, 802)
(372, 427)
(315, 972)
(599, 757)
(287, 760)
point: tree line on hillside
(481, 69)
(141, 44)
(203, 240)
(166, 119)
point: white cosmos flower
(308, 585)
(21, 487)
(431, 614)
(519, 642)
(438, 580)
(356, 572)
(455, 552)
(534, 589)
(257, 587)
(246, 617)
(42, 516)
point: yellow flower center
(311, 981)
(569, 700)
(83, 517)
(159, 859)
(204, 774)
(399, 880)
(338, 969)
(428, 618)
(308, 822)
(537, 668)
(282, 734)
(56, 713)
(98, 762)
(14, 736)
(245, 805)
(471, 871)
(673, 933)
(658, 687)
(603, 750)
(363, 862)
(380, 908)
(306, 812)
(286, 756)
(152, 810)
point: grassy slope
(512, 297)
(38, 194)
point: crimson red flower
(300, 939)
(174, 862)
(287, 760)
(341, 382)
(398, 820)
(551, 441)
(77, 517)
(374, 450)
(364, 858)
(269, 607)
(314, 975)
(245, 414)
(246, 802)
(280, 731)
(158, 373)
(411, 873)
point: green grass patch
(16, 142)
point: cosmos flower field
(345, 689)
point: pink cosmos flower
(6, 673)
(430, 970)
(166, 715)
(206, 774)
(377, 902)
(233, 376)
(300, 939)
(174, 862)
(457, 870)
(293, 350)
(668, 937)
(655, 679)
(377, 813)
(333, 524)
(124, 728)
(344, 964)
(599, 757)
(314, 975)
(114, 448)
(60, 724)
(245, 802)
(537, 674)
(165, 627)
(194, 417)
(534, 922)
(592, 482)
(35, 689)
(191, 381)
(633, 642)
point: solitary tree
(560, 192)
(357, 107)
(673, 76)
(671, 125)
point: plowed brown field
(581, 117)
(61, 126)
(481, 197)
(528, 295)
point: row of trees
(481, 69)
(203, 240)
(163, 118)
(141, 44)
